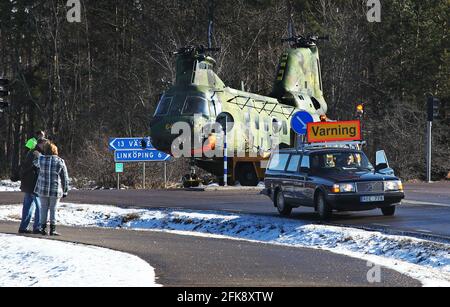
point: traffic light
(360, 110)
(433, 107)
(4, 93)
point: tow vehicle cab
(328, 179)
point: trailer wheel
(246, 175)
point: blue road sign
(128, 143)
(139, 155)
(300, 121)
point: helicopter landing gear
(191, 180)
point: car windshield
(341, 161)
(196, 105)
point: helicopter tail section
(298, 81)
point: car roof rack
(329, 145)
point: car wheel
(388, 211)
(323, 208)
(283, 208)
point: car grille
(370, 187)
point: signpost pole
(118, 181)
(429, 149)
(143, 177)
(165, 175)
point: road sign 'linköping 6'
(140, 155)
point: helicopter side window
(164, 106)
(285, 128)
(212, 108)
(257, 122)
(196, 105)
(266, 125)
(276, 126)
(247, 118)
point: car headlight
(344, 188)
(396, 185)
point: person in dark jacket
(29, 175)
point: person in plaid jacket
(52, 185)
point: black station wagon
(328, 179)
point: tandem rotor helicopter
(251, 119)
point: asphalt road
(426, 210)
(192, 261)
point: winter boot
(43, 229)
(53, 231)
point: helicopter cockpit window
(164, 106)
(196, 105)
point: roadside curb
(404, 233)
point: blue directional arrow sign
(128, 143)
(300, 121)
(139, 155)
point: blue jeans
(30, 202)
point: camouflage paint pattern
(256, 118)
(299, 81)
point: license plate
(372, 199)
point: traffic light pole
(429, 150)
(225, 156)
(433, 105)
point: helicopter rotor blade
(291, 25)
(210, 23)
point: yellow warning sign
(334, 131)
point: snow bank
(27, 262)
(424, 260)
(9, 186)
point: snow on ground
(426, 261)
(27, 262)
(9, 186)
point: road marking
(382, 225)
(422, 203)
(423, 230)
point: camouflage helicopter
(251, 119)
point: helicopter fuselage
(200, 98)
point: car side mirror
(382, 164)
